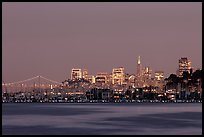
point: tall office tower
(184, 65)
(76, 74)
(146, 76)
(139, 68)
(118, 76)
(85, 74)
(138, 81)
(147, 72)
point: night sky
(50, 39)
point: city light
(117, 84)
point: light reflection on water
(88, 119)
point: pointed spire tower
(138, 67)
(138, 61)
(139, 72)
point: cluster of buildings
(120, 82)
(119, 85)
(119, 78)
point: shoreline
(100, 102)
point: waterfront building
(118, 76)
(184, 65)
(99, 94)
(76, 73)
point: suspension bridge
(34, 83)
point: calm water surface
(104, 119)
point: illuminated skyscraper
(76, 73)
(118, 76)
(138, 81)
(139, 68)
(146, 76)
(85, 74)
(184, 65)
(147, 73)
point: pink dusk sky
(50, 39)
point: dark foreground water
(95, 119)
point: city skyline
(52, 38)
(141, 72)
